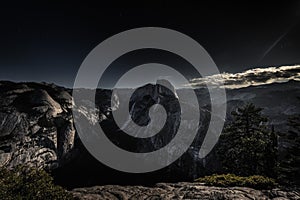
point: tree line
(249, 146)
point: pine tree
(289, 166)
(247, 146)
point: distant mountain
(279, 100)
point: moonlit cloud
(252, 77)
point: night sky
(48, 41)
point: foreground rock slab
(180, 191)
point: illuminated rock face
(36, 125)
(165, 83)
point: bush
(28, 183)
(230, 180)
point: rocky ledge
(182, 190)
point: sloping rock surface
(181, 191)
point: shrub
(259, 182)
(28, 183)
(230, 180)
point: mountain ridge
(37, 132)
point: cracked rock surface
(182, 190)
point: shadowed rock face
(37, 129)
